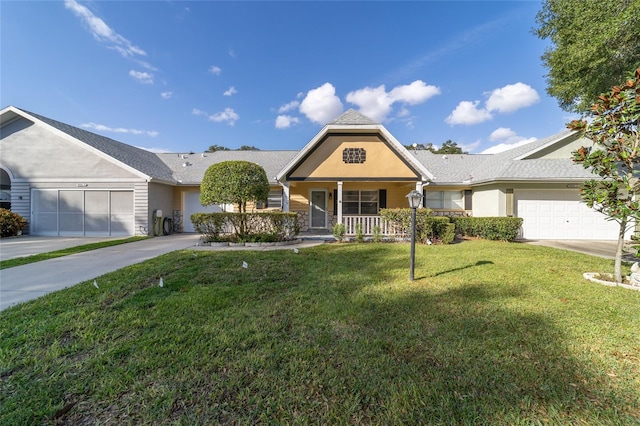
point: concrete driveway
(27, 282)
(606, 249)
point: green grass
(488, 333)
(10, 263)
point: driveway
(600, 248)
(27, 282)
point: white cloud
(166, 95)
(509, 138)
(102, 32)
(228, 116)
(156, 150)
(230, 91)
(288, 107)
(512, 97)
(374, 102)
(321, 105)
(215, 70)
(102, 128)
(142, 77)
(501, 133)
(467, 112)
(414, 93)
(377, 103)
(286, 121)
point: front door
(319, 209)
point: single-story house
(70, 182)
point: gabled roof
(355, 122)
(143, 161)
(189, 169)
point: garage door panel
(82, 212)
(560, 214)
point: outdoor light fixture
(415, 199)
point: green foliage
(339, 231)
(11, 223)
(449, 147)
(489, 334)
(246, 227)
(614, 157)
(377, 234)
(489, 228)
(234, 182)
(594, 43)
(359, 233)
(432, 228)
(248, 148)
(214, 148)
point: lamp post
(415, 199)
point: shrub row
(432, 228)
(489, 228)
(246, 227)
(11, 223)
(443, 229)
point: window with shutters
(444, 200)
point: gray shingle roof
(353, 118)
(144, 161)
(189, 169)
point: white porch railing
(368, 223)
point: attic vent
(186, 163)
(354, 155)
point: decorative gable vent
(354, 155)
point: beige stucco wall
(34, 152)
(326, 161)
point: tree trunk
(617, 270)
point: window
(360, 202)
(354, 155)
(452, 200)
(275, 198)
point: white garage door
(560, 215)
(192, 205)
(72, 213)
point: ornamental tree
(234, 182)
(614, 157)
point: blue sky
(174, 76)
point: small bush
(339, 231)
(11, 223)
(359, 233)
(432, 228)
(246, 227)
(377, 234)
(489, 228)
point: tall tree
(594, 43)
(448, 147)
(615, 157)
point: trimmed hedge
(434, 228)
(11, 223)
(246, 227)
(489, 228)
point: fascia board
(548, 144)
(397, 146)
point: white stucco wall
(489, 201)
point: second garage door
(560, 215)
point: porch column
(419, 189)
(285, 196)
(339, 202)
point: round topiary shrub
(11, 223)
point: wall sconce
(330, 195)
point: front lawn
(489, 333)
